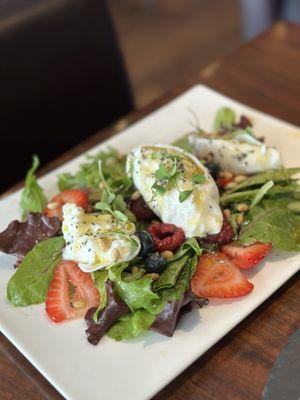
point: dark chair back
(61, 79)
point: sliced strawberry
(217, 277)
(246, 257)
(76, 196)
(71, 293)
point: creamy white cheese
(199, 214)
(237, 155)
(92, 240)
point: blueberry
(147, 244)
(155, 262)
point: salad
(132, 242)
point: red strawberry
(246, 256)
(71, 293)
(217, 276)
(76, 196)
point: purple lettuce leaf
(168, 319)
(108, 316)
(20, 237)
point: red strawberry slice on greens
(71, 293)
(75, 196)
(245, 257)
(217, 277)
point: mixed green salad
(132, 242)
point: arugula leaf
(184, 195)
(30, 283)
(277, 226)
(100, 278)
(225, 118)
(113, 169)
(248, 195)
(132, 326)
(261, 193)
(136, 294)
(32, 197)
(275, 175)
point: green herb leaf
(103, 206)
(199, 178)
(30, 283)
(120, 216)
(225, 118)
(184, 144)
(32, 197)
(277, 226)
(161, 190)
(261, 193)
(184, 195)
(132, 326)
(275, 175)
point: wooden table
(265, 74)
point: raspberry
(166, 236)
(224, 236)
(140, 209)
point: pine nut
(167, 254)
(239, 178)
(154, 276)
(134, 270)
(135, 195)
(239, 219)
(226, 174)
(53, 205)
(242, 207)
(230, 185)
(227, 213)
(115, 255)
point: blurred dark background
(69, 68)
(164, 41)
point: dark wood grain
(265, 74)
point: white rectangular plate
(137, 369)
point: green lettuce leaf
(32, 197)
(30, 283)
(277, 226)
(99, 278)
(225, 118)
(136, 294)
(170, 275)
(275, 175)
(182, 283)
(132, 326)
